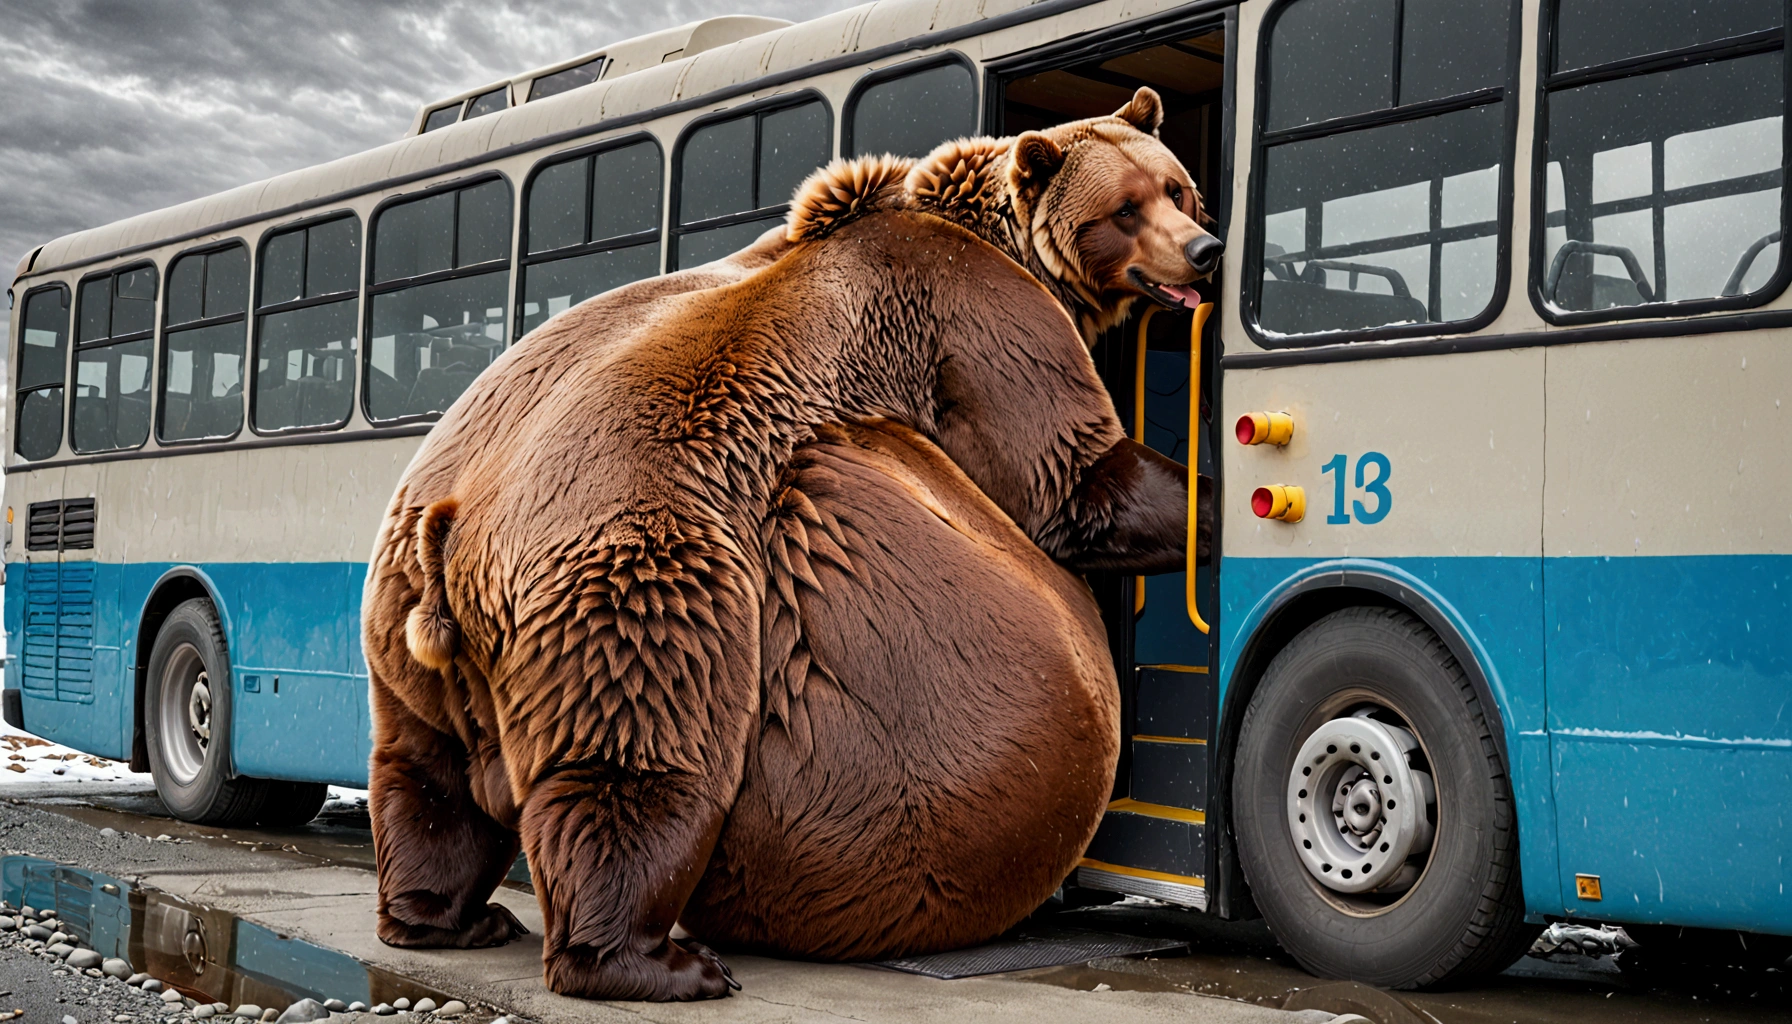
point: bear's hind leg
(615, 855)
(440, 855)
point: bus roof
(636, 82)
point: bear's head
(1099, 210)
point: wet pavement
(1232, 960)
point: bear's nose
(1203, 252)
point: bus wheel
(186, 719)
(1374, 818)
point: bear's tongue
(1183, 293)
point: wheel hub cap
(1360, 815)
(199, 710)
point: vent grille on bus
(60, 525)
(44, 526)
(77, 523)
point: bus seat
(1300, 307)
(436, 388)
(277, 406)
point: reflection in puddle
(207, 954)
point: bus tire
(186, 723)
(291, 804)
(1315, 827)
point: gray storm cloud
(113, 108)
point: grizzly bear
(745, 595)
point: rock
(94, 972)
(357, 1006)
(37, 931)
(85, 958)
(108, 833)
(66, 1019)
(27, 911)
(249, 1010)
(152, 985)
(303, 1012)
(335, 1006)
(56, 937)
(117, 968)
(170, 996)
(8, 924)
(136, 979)
(59, 949)
(109, 889)
(385, 1009)
(122, 1018)
(401, 1003)
(203, 1011)
(269, 1014)
(452, 1008)
(425, 1005)
(164, 837)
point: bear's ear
(1036, 158)
(1144, 111)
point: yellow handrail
(1138, 430)
(1202, 312)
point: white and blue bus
(1494, 399)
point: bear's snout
(1203, 253)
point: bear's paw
(841, 191)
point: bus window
(112, 353)
(1381, 151)
(736, 177)
(305, 327)
(441, 117)
(43, 359)
(205, 330)
(566, 79)
(910, 115)
(592, 224)
(1663, 178)
(488, 103)
(441, 265)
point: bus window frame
(68, 355)
(1250, 288)
(369, 289)
(1634, 67)
(878, 76)
(757, 110)
(526, 259)
(162, 329)
(76, 346)
(257, 311)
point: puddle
(208, 954)
(341, 835)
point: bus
(1493, 396)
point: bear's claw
(495, 927)
(706, 953)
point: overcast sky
(114, 107)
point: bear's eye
(1176, 193)
(1126, 211)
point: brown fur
(746, 590)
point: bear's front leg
(1129, 513)
(615, 855)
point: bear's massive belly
(941, 721)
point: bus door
(1668, 568)
(1153, 840)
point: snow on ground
(25, 758)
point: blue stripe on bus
(1661, 757)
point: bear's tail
(431, 632)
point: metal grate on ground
(1028, 948)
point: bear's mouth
(1172, 296)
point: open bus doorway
(1154, 840)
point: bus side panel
(1428, 471)
(1669, 578)
(300, 688)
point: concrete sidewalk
(334, 907)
